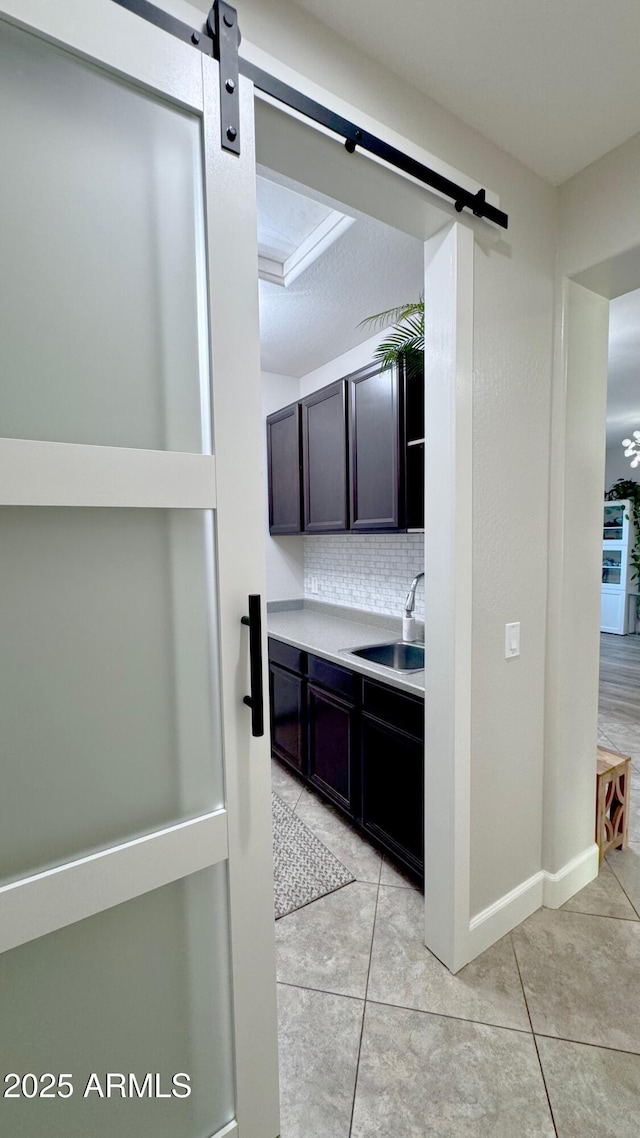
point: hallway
(539, 1036)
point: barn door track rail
(220, 38)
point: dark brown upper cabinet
(324, 460)
(284, 470)
(386, 449)
(377, 467)
(353, 460)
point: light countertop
(332, 637)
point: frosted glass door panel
(108, 686)
(141, 988)
(102, 290)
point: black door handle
(255, 700)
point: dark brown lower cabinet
(358, 742)
(332, 746)
(287, 698)
(288, 704)
(393, 791)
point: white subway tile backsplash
(368, 571)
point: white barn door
(137, 974)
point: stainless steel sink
(400, 656)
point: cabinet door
(283, 461)
(376, 475)
(324, 450)
(393, 790)
(613, 611)
(614, 521)
(332, 750)
(288, 735)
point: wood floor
(620, 678)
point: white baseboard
(543, 888)
(508, 911)
(560, 886)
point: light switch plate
(511, 640)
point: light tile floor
(540, 1036)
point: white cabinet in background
(618, 539)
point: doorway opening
(340, 573)
(334, 951)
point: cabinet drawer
(339, 680)
(287, 656)
(391, 706)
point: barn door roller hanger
(220, 38)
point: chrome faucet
(410, 602)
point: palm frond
(394, 315)
(404, 342)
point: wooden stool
(613, 794)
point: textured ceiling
(369, 268)
(285, 218)
(556, 83)
(623, 393)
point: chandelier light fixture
(632, 448)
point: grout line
(392, 885)
(320, 991)
(364, 1010)
(584, 1043)
(605, 916)
(448, 1015)
(634, 907)
(595, 916)
(535, 1042)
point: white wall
(342, 365)
(285, 555)
(600, 218)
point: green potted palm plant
(404, 340)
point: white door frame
(43, 473)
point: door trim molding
(449, 298)
(54, 898)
